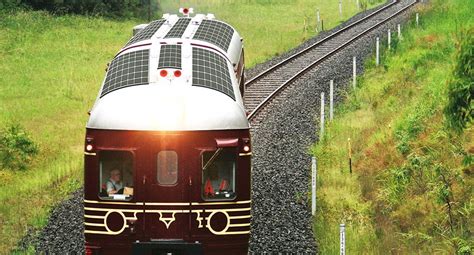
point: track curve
(265, 87)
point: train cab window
(218, 174)
(115, 175)
(167, 172)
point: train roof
(176, 73)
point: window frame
(133, 164)
(240, 73)
(177, 169)
(236, 166)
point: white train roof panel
(167, 108)
(203, 95)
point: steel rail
(331, 36)
(318, 61)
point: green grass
(402, 150)
(51, 70)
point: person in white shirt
(114, 184)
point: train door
(166, 186)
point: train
(167, 151)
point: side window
(240, 74)
(240, 66)
(167, 168)
(116, 175)
(218, 174)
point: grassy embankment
(411, 190)
(51, 69)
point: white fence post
(342, 237)
(313, 185)
(399, 31)
(321, 133)
(354, 72)
(318, 20)
(377, 52)
(340, 8)
(417, 18)
(318, 17)
(331, 99)
(389, 39)
(358, 5)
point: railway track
(264, 88)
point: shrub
(16, 148)
(459, 110)
(9, 4)
(107, 8)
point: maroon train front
(167, 147)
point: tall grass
(411, 189)
(51, 71)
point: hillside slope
(51, 70)
(411, 189)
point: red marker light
(185, 11)
(163, 73)
(89, 251)
(177, 73)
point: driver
(114, 184)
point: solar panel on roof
(215, 32)
(130, 69)
(210, 71)
(178, 29)
(170, 56)
(147, 32)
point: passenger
(114, 184)
(216, 182)
(224, 186)
(208, 190)
(212, 181)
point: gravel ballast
(281, 219)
